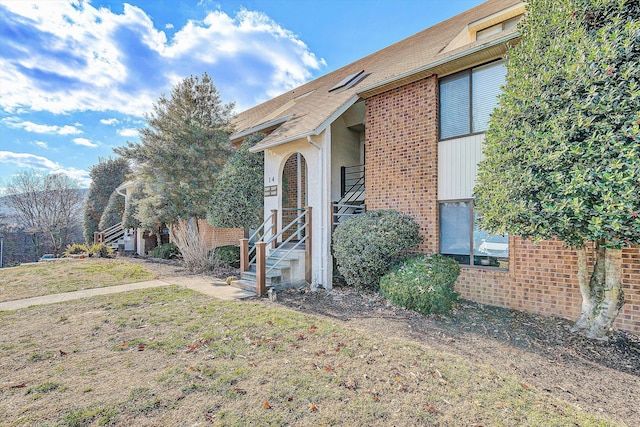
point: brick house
(403, 128)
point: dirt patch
(597, 377)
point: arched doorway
(294, 192)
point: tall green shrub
(367, 245)
(423, 284)
(561, 153)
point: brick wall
(290, 190)
(215, 237)
(543, 279)
(401, 174)
(402, 154)
(290, 184)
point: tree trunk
(602, 295)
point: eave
(467, 58)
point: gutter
(374, 88)
(260, 127)
(378, 87)
(308, 134)
(124, 186)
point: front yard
(170, 356)
(66, 275)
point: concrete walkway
(214, 287)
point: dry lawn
(66, 275)
(169, 356)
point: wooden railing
(300, 226)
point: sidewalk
(214, 287)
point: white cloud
(111, 122)
(41, 144)
(169, 26)
(32, 161)
(40, 128)
(79, 58)
(128, 132)
(69, 130)
(85, 142)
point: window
(349, 81)
(498, 28)
(463, 240)
(468, 98)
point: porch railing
(351, 177)
(109, 236)
(352, 185)
(299, 227)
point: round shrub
(367, 245)
(230, 255)
(166, 251)
(423, 284)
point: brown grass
(169, 356)
(66, 275)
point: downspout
(319, 237)
(299, 187)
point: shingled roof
(309, 108)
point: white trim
(260, 127)
(124, 186)
(432, 65)
(317, 131)
(503, 15)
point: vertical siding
(457, 166)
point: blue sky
(77, 76)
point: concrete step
(244, 284)
(284, 264)
(274, 277)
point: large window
(462, 239)
(468, 98)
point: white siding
(457, 166)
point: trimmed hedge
(367, 245)
(423, 284)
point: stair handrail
(296, 220)
(293, 248)
(256, 233)
(113, 227)
(280, 233)
(113, 233)
(346, 174)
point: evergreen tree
(238, 196)
(113, 212)
(183, 148)
(562, 151)
(106, 176)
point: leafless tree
(50, 204)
